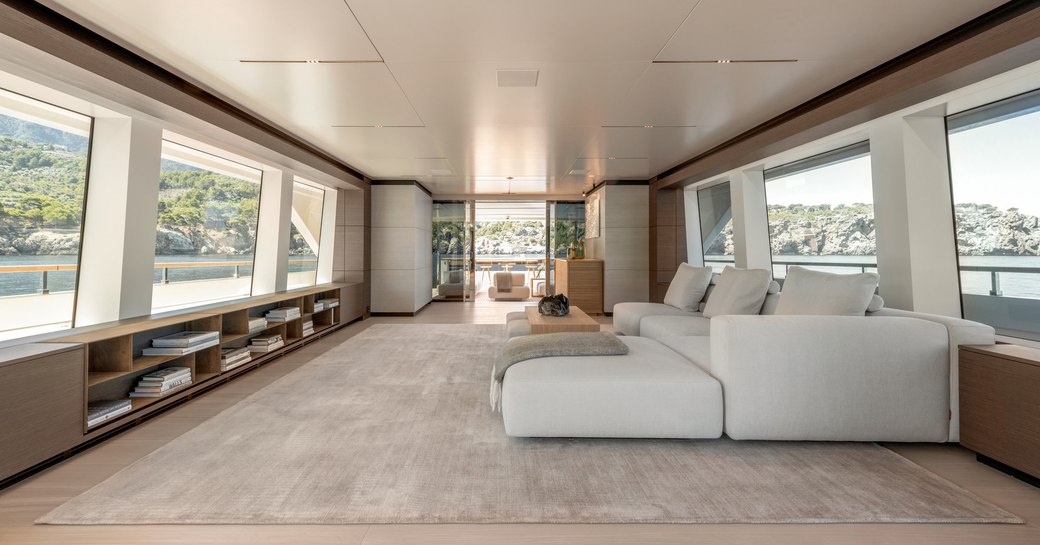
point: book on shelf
(165, 393)
(167, 374)
(152, 386)
(283, 314)
(185, 339)
(308, 328)
(319, 306)
(257, 325)
(229, 353)
(179, 351)
(231, 358)
(235, 363)
(100, 411)
(265, 347)
(328, 303)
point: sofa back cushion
(738, 291)
(455, 277)
(688, 287)
(829, 294)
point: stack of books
(233, 357)
(182, 343)
(266, 343)
(100, 411)
(319, 306)
(283, 314)
(326, 303)
(163, 382)
(256, 325)
(308, 328)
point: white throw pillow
(739, 291)
(876, 304)
(688, 287)
(827, 294)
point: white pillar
(271, 258)
(750, 220)
(694, 246)
(401, 248)
(117, 257)
(327, 244)
(913, 214)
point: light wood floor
(23, 503)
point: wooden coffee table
(576, 321)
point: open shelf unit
(114, 361)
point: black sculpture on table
(554, 305)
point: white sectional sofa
(886, 375)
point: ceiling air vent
(517, 78)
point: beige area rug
(393, 426)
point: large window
(305, 233)
(716, 217)
(43, 175)
(206, 232)
(995, 171)
(821, 213)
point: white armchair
(517, 292)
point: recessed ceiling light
(611, 158)
(648, 126)
(377, 126)
(723, 61)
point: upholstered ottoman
(651, 392)
(517, 324)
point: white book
(236, 364)
(93, 421)
(185, 339)
(318, 306)
(161, 394)
(156, 387)
(167, 373)
(171, 351)
(267, 348)
(328, 303)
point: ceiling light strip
(309, 61)
(724, 61)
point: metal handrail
(45, 269)
(993, 270)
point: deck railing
(993, 270)
(45, 270)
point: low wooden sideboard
(1000, 405)
(45, 387)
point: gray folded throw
(528, 347)
(504, 281)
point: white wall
(624, 244)
(402, 264)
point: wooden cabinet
(1000, 404)
(45, 387)
(41, 403)
(581, 280)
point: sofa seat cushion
(655, 327)
(692, 347)
(627, 316)
(651, 392)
